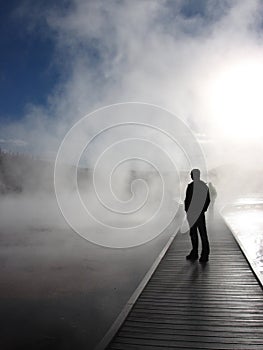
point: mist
(166, 53)
(145, 91)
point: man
(196, 202)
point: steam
(156, 52)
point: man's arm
(188, 197)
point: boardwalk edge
(128, 306)
(251, 263)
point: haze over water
(196, 70)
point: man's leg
(203, 234)
(194, 239)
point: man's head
(195, 174)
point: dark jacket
(197, 197)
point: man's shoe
(192, 257)
(203, 259)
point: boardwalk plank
(193, 306)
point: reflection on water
(245, 219)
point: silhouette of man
(196, 202)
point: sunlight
(236, 100)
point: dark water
(59, 291)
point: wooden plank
(122, 316)
(186, 337)
(191, 306)
(189, 333)
(176, 344)
(221, 328)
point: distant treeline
(23, 172)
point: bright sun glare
(236, 100)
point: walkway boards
(193, 306)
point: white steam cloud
(169, 53)
(200, 60)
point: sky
(199, 59)
(27, 76)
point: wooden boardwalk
(188, 305)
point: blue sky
(62, 59)
(27, 74)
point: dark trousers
(200, 225)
